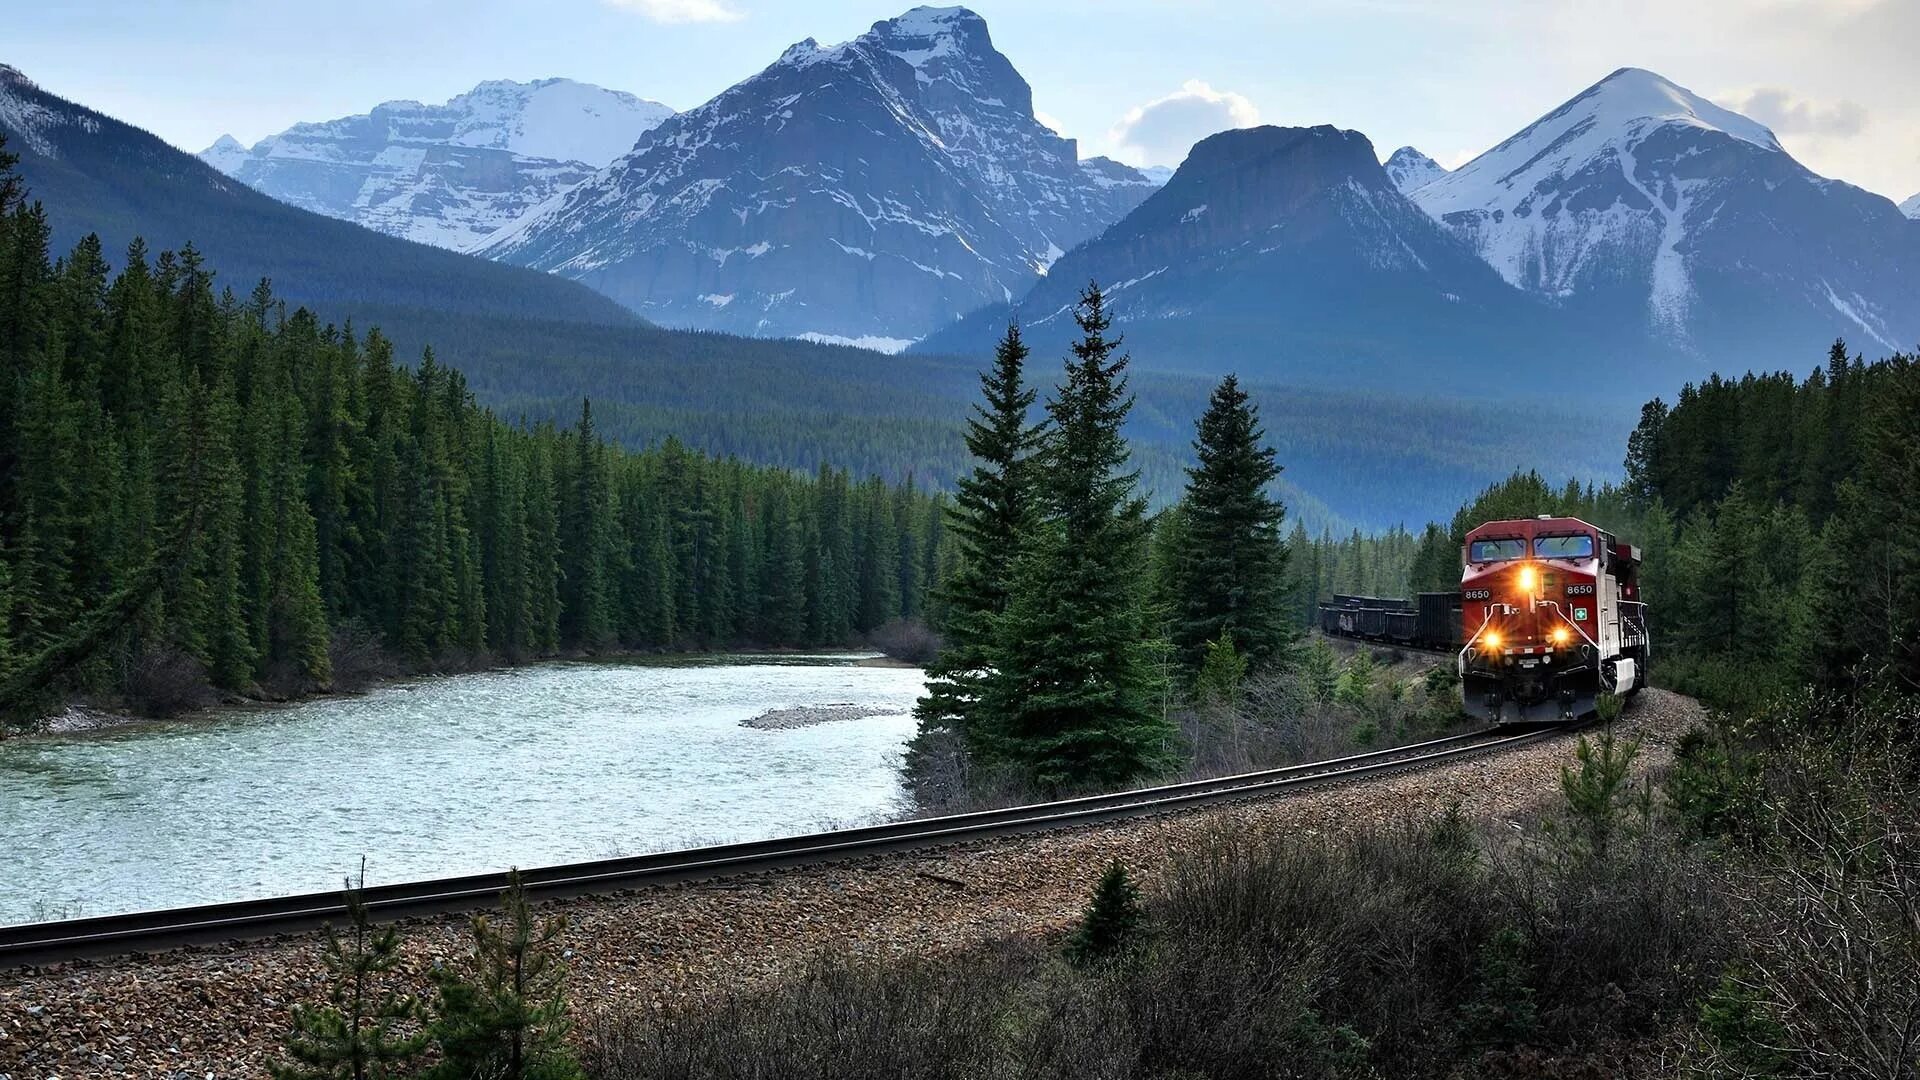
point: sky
(1140, 80)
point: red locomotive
(1551, 617)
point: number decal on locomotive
(1580, 590)
(1477, 594)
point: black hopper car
(1428, 621)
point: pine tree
(992, 514)
(365, 1031)
(504, 1016)
(1072, 699)
(1232, 577)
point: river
(529, 766)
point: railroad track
(38, 944)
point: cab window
(1495, 550)
(1563, 547)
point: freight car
(1428, 621)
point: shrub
(1112, 919)
(838, 1020)
(908, 640)
(359, 658)
(163, 681)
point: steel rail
(38, 944)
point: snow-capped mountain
(1911, 207)
(1642, 201)
(450, 174)
(872, 191)
(1284, 253)
(1411, 169)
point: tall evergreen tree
(1231, 577)
(1072, 697)
(992, 514)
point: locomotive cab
(1552, 617)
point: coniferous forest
(200, 491)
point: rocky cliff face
(871, 191)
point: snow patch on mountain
(449, 174)
(1411, 170)
(1570, 191)
(875, 343)
(1911, 207)
(31, 120)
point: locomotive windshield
(1496, 550)
(1563, 547)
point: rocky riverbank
(221, 1013)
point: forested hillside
(202, 491)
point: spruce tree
(992, 514)
(1232, 576)
(1072, 699)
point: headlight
(1561, 635)
(1490, 639)
(1527, 578)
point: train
(1549, 616)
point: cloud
(1787, 115)
(679, 11)
(1163, 130)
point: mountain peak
(226, 154)
(940, 27)
(1636, 94)
(1412, 170)
(13, 76)
(1911, 207)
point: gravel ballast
(221, 1012)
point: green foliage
(990, 517)
(366, 1030)
(1072, 697)
(1607, 707)
(1597, 789)
(504, 1015)
(1355, 685)
(1221, 674)
(1320, 671)
(1501, 1011)
(1230, 576)
(187, 473)
(1112, 921)
(1747, 1042)
(1714, 786)
(1797, 556)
